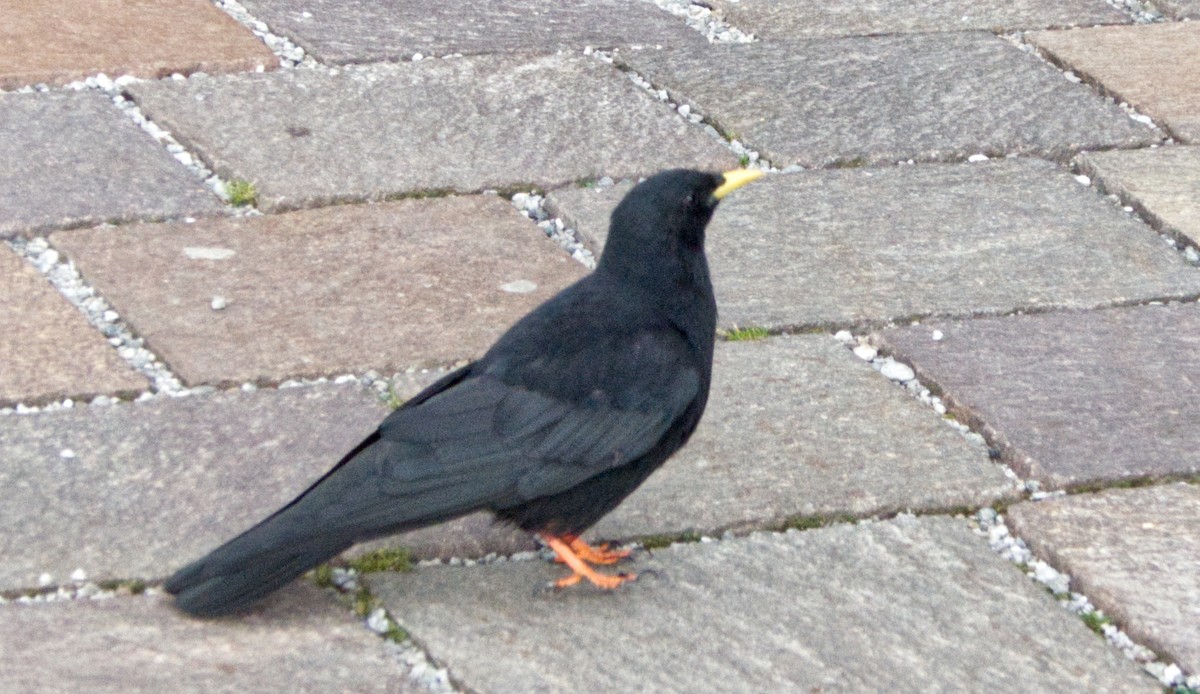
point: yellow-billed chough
(554, 426)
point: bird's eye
(691, 197)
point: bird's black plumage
(558, 422)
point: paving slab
(909, 605)
(122, 37)
(859, 100)
(845, 247)
(1152, 66)
(1075, 398)
(469, 124)
(73, 159)
(1180, 9)
(343, 289)
(1163, 183)
(48, 351)
(778, 19)
(795, 426)
(300, 640)
(1135, 553)
(359, 31)
(136, 490)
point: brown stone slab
(780, 19)
(468, 125)
(47, 349)
(795, 426)
(1072, 398)
(72, 159)
(136, 490)
(908, 605)
(1163, 183)
(883, 99)
(1135, 553)
(1152, 66)
(299, 641)
(361, 31)
(120, 37)
(844, 247)
(341, 289)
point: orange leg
(600, 554)
(564, 548)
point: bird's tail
(345, 506)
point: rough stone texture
(299, 641)
(1072, 398)
(795, 426)
(845, 247)
(1135, 553)
(119, 37)
(137, 490)
(1162, 183)
(890, 98)
(336, 290)
(777, 19)
(357, 31)
(469, 124)
(909, 605)
(1152, 66)
(47, 349)
(587, 211)
(72, 159)
(1180, 9)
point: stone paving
(992, 259)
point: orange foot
(576, 554)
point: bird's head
(663, 218)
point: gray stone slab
(778, 19)
(1180, 9)
(818, 102)
(73, 159)
(1163, 183)
(1135, 553)
(1152, 66)
(137, 490)
(468, 124)
(909, 605)
(342, 289)
(357, 31)
(832, 248)
(1072, 398)
(300, 641)
(795, 426)
(47, 349)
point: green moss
(1096, 621)
(393, 399)
(814, 522)
(323, 576)
(397, 559)
(666, 540)
(744, 160)
(241, 192)
(746, 334)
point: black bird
(555, 425)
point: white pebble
(865, 352)
(843, 336)
(897, 371)
(45, 580)
(377, 621)
(974, 158)
(78, 575)
(66, 453)
(936, 335)
(218, 303)
(1083, 180)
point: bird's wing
(492, 431)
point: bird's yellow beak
(735, 179)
